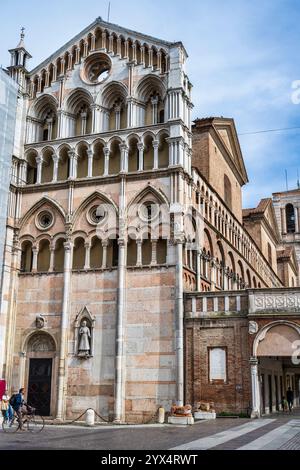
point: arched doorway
(274, 366)
(40, 372)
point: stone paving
(276, 431)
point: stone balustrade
(250, 301)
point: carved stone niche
(84, 334)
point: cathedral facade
(121, 214)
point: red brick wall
(231, 333)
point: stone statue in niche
(40, 322)
(84, 348)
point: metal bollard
(90, 417)
(161, 415)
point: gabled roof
(105, 25)
(288, 253)
(264, 211)
(224, 132)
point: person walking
(6, 409)
(290, 398)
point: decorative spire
(21, 42)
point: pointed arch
(93, 197)
(149, 85)
(77, 98)
(45, 200)
(114, 91)
(42, 105)
(157, 193)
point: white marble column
(87, 247)
(55, 159)
(141, 149)
(296, 219)
(39, 162)
(255, 413)
(106, 151)
(119, 374)
(139, 244)
(154, 252)
(35, 253)
(198, 280)
(90, 154)
(154, 103)
(213, 275)
(64, 332)
(104, 253)
(124, 158)
(52, 254)
(179, 326)
(155, 144)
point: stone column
(39, 162)
(73, 164)
(134, 52)
(77, 58)
(255, 413)
(296, 219)
(225, 278)
(159, 62)
(87, 255)
(141, 149)
(47, 79)
(90, 162)
(106, 151)
(52, 253)
(83, 122)
(35, 253)
(23, 174)
(93, 42)
(104, 40)
(55, 159)
(120, 333)
(85, 49)
(179, 326)
(39, 89)
(64, 332)
(54, 73)
(119, 47)
(104, 255)
(150, 58)
(110, 43)
(198, 280)
(154, 103)
(70, 58)
(126, 50)
(143, 56)
(213, 275)
(62, 67)
(155, 144)
(154, 252)
(124, 158)
(139, 244)
(283, 221)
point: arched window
(227, 192)
(290, 218)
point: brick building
(116, 229)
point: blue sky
(243, 58)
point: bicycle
(33, 422)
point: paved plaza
(276, 431)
